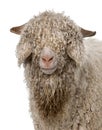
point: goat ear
(87, 33)
(18, 29)
(24, 48)
(76, 48)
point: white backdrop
(14, 105)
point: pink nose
(47, 60)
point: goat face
(49, 54)
(52, 40)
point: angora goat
(63, 73)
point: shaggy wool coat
(71, 97)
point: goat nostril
(43, 59)
(47, 59)
(50, 59)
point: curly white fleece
(71, 97)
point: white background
(14, 105)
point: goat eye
(69, 42)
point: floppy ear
(75, 46)
(18, 29)
(87, 33)
(24, 48)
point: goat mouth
(48, 70)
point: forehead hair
(50, 29)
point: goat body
(63, 73)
